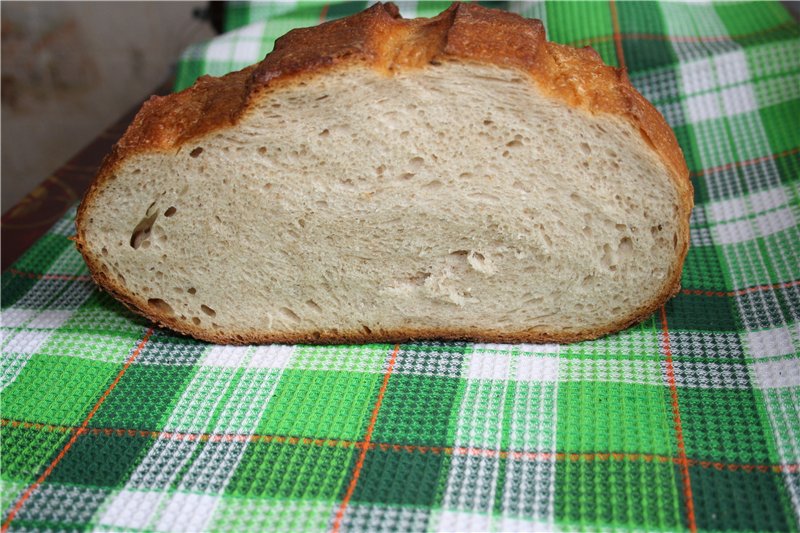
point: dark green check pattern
(690, 420)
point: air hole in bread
(366, 329)
(488, 122)
(433, 185)
(196, 152)
(586, 149)
(625, 247)
(416, 162)
(520, 186)
(142, 230)
(675, 240)
(406, 175)
(483, 197)
(104, 251)
(290, 315)
(262, 150)
(195, 321)
(607, 259)
(478, 262)
(207, 310)
(161, 306)
(324, 133)
(314, 305)
(516, 142)
(191, 290)
(170, 211)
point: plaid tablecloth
(690, 420)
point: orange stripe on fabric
(385, 447)
(676, 415)
(337, 523)
(746, 163)
(741, 292)
(617, 36)
(76, 434)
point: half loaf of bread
(378, 179)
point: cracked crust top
(380, 38)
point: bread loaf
(376, 179)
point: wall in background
(71, 69)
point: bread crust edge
(380, 38)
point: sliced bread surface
(381, 179)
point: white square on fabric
(226, 356)
(219, 51)
(738, 100)
(187, 512)
(50, 319)
(697, 76)
(247, 51)
(537, 369)
(488, 366)
(725, 210)
(770, 343)
(461, 521)
(251, 31)
(512, 524)
(703, 107)
(731, 67)
(769, 199)
(775, 221)
(733, 232)
(26, 342)
(131, 509)
(14, 318)
(407, 9)
(271, 356)
(778, 374)
(539, 348)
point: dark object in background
(214, 13)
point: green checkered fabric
(688, 421)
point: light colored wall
(71, 69)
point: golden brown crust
(380, 38)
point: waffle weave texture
(688, 421)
